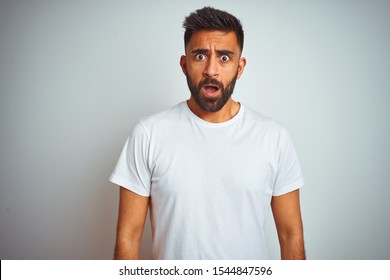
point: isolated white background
(75, 76)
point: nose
(211, 68)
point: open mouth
(211, 89)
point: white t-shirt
(210, 184)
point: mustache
(210, 81)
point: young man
(210, 167)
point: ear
(241, 66)
(183, 64)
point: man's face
(212, 65)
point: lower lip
(210, 93)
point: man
(209, 168)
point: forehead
(206, 39)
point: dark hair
(209, 18)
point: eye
(225, 58)
(200, 56)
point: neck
(228, 111)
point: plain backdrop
(75, 76)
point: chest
(198, 165)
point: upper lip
(211, 85)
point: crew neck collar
(211, 124)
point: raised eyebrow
(225, 52)
(220, 52)
(199, 51)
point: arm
(131, 220)
(288, 221)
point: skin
(133, 209)
(213, 46)
(217, 55)
(288, 220)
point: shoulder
(163, 120)
(259, 121)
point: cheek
(196, 73)
(195, 68)
(229, 70)
(231, 74)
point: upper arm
(133, 209)
(287, 213)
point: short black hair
(209, 18)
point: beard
(211, 104)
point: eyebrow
(221, 52)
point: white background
(76, 75)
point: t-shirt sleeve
(289, 175)
(132, 171)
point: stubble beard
(211, 104)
